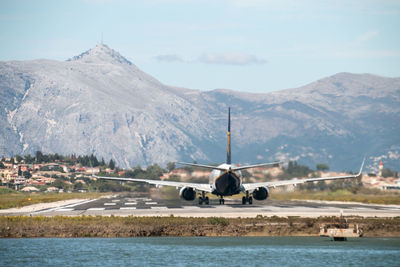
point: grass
(365, 196)
(12, 199)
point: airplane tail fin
(228, 150)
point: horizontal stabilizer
(203, 166)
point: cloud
(169, 58)
(230, 59)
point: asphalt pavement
(130, 205)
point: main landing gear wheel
(203, 199)
(247, 199)
(221, 201)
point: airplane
(226, 180)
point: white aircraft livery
(226, 180)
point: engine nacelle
(187, 193)
(261, 193)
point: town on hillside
(56, 173)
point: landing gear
(203, 199)
(247, 199)
(221, 201)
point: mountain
(99, 102)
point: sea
(199, 251)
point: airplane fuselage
(226, 183)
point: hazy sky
(247, 45)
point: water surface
(193, 251)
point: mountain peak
(101, 53)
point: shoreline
(115, 226)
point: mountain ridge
(99, 102)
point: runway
(119, 205)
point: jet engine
(187, 193)
(261, 193)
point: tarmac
(120, 205)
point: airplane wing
(196, 186)
(255, 166)
(253, 186)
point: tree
(19, 171)
(78, 186)
(170, 166)
(29, 159)
(18, 158)
(60, 184)
(322, 167)
(39, 156)
(111, 164)
(2, 165)
(27, 174)
(154, 171)
(387, 173)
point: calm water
(198, 251)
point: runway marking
(150, 203)
(159, 208)
(110, 204)
(65, 209)
(130, 203)
(80, 203)
(116, 200)
(96, 209)
(127, 208)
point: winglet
(362, 166)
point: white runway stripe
(159, 208)
(151, 203)
(110, 204)
(130, 203)
(127, 208)
(65, 209)
(96, 209)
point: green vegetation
(114, 226)
(11, 199)
(322, 167)
(295, 170)
(389, 173)
(364, 196)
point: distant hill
(102, 103)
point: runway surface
(143, 206)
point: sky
(245, 45)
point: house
(92, 170)
(200, 174)
(20, 180)
(35, 182)
(180, 173)
(30, 189)
(52, 189)
(65, 168)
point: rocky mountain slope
(100, 102)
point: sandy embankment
(42, 206)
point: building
(380, 168)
